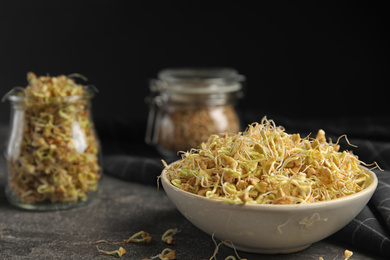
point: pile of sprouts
(53, 150)
(265, 165)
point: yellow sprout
(167, 237)
(217, 245)
(347, 254)
(166, 254)
(120, 252)
(139, 237)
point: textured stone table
(121, 210)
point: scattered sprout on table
(347, 255)
(120, 252)
(167, 237)
(265, 165)
(166, 254)
(139, 237)
(217, 245)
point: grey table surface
(121, 209)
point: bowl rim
(368, 191)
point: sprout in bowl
(268, 191)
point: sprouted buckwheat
(265, 165)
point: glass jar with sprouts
(53, 152)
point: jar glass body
(185, 126)
(53, 153)
(189, 105)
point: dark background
(306, 59)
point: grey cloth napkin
(134, 168)
(370, 229)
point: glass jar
(53, 153)
(187, 105)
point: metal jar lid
(198, 81)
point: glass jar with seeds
(187, 105)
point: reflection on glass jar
(188, 105)
(53, 152)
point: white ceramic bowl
(269, 229)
